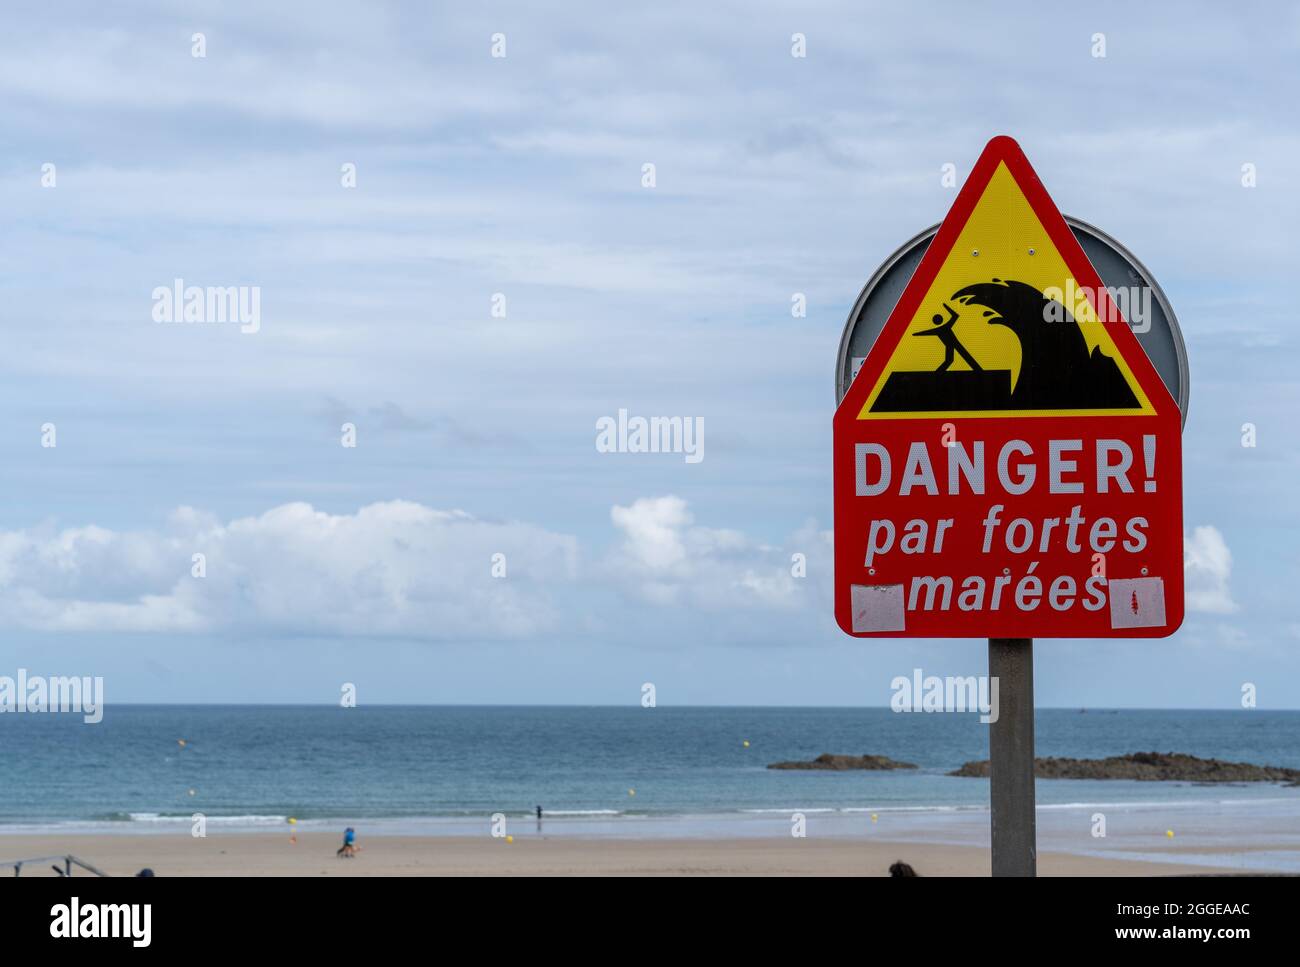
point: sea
(634, 772)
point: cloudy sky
(522, 176)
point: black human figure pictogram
(951, 344)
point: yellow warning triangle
(1003, 325)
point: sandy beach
(272, 854)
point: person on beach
(349, 847)
(539, 814)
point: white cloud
(391, 569)
(667, 559)
(654, 526)
(396, 568)
(1207, 567)
(401, 569)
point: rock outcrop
(844, 763)
(1148, 767)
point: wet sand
(313, 854)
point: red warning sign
(1008, 461)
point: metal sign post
(1011, 758)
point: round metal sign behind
(1158, 334)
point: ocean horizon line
(673, 705)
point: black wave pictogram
(1057, 372)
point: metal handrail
(67, 859)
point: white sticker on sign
(877, 607)
(1137, 602)
(857, 367)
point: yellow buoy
(873, 817)
(1169, 833)
(747, 743)
(510, 839)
